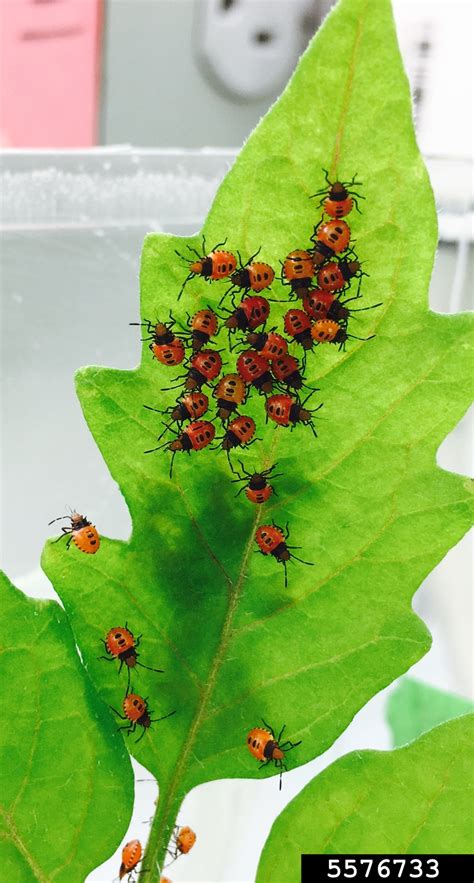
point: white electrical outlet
(250, 47)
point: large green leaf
(414, 708)
(66, 781)
(366, 502)
(401, 801)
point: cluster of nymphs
(318, 278)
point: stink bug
(204, 325)
(131, 856)
(215, 265)
(269, 344)
(230, 392)
(121, 644)
(330, 238)
(194, 437)
(182, 842)
(203, 367)
(335, 276)
(251, 312)
(321, 304)
(328, 331)
(267, 748)
(137, 713)
(286, 369)
(298, 271)
(338, 198)
(257, 489)
(81, 532)
(298, 326)
(190, 406)
(271, 540)
(166, 347)
(255, 276)
(254, 369)
(287, 411)
(239, 433)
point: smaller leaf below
(66, 781)
(416, 799)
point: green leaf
(366, 501)
(417, 799)
(414, 708)
(66, 783)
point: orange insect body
(339, 203)
(120, 642)
(230, 392)
(268, 748)
(269, 344)
(340, 198)
(254, 277)
(204, 325)
(131, 855)
(215, 265)
(298, 270)
(136, 709)
(191, 405)
(82, 533)
(185, 839)
(331, 237)
(334, 277)
(263, 746)
(328, 331)
(239, 433)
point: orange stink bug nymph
(267, 748)
(189, 406)
(204, 325)
(131, 856)
(166, 347)
(182, 841)
(257, 489)
(271, 540)
(217, 264)
(338, 197)
(254, 276)
(81, 532)
(120, 643)
(230, 392)
(194, 437)
(137, 713)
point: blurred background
(193, 73)
(121, 117)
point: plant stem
(160, 835)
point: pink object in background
(50, 63)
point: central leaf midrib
(219, 657)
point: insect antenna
(158, 670)
(154, 720)
(60, 518)
(171, 464)
(230, 463)
(362, 309)
(188, 279)
(158, 448)
(309, 563)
